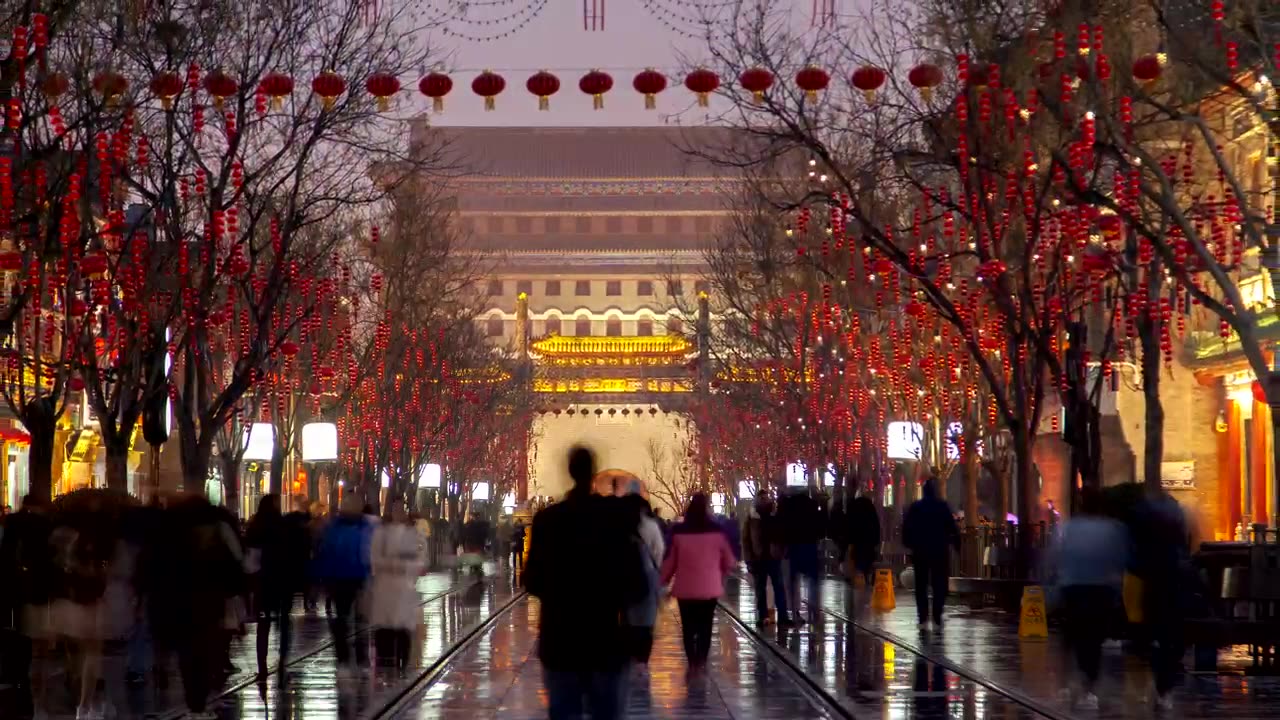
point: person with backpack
(343, 565)
(586, 567)
(696, 567)
(763, 548)
(642, 616)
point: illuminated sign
(319, 442)
(904, 441)
(612, 385)
(259, 442)
(796, 475)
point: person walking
(26, 564)
(343, 565)
(863, 534)
(1162, 561)
(929, 533)
(762, 548)
(586, 568)
(398, 559)
(803, 528)
(517, 546)
(699, 560)
(1087, 565)
(278, 552)
(642, 616)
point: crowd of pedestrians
(130, 593)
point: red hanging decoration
(384, 87)
(276, 86)
(924, 78)
(596, 83)
(166, 86)
(649, 82)
(812, 80)
(220, 86)
(111, 85)
(868, 79)
(756, 81)
(702, 83)
(543, 85)
(436, 85)
(328, 86)
(488, 85)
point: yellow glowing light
(612, 385)
(654, 345)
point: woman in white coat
(398, 559)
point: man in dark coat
(585, 566)
(27, 569)
(929, 531)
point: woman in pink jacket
(695, 565)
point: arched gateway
(597, 238)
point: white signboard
(319, 442)
(904, 441)
(259, 442)
(796, 476)
(429, 476)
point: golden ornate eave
(666, 346)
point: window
(675, 287)
(675, 326)
(582, 225)
(674, 225)
(524, 286)
(495, 288)
(644, 288)
(582, 326)
(702, 286)
(582, 288)
(613, 225)
(524, 225)
(494, 326)
(553, 288)
(644, 224)
(613, 288)
(613, 327)
(553, 326)
(702, 224)
(552, 224)
(644, 327)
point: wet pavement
(983, 644)
(311, 664)
(499, 676)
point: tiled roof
(582, 152)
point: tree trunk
(117, 462)
(1153, 442)
(195, 465)
(971, 472)
(230, 481)
(41, 423)
(1024, 476)
(275, 481)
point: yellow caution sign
(882, 599)
(1034, 620)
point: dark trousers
(1164, 625)
(199, 661)
(275, 608)
(1088, 610)
(640, 643)
(762, 572)
(575, 695)
(931, 574)
(392, 647)
(696, 620)
(344, 594)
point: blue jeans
(762, 572)
(138, 646)
(576, 695)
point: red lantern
(756, 81)
(812, 80)
(543, 84)
(220, 86)
(111, 85)
(435, 86)
(75, 384)
(289, 348)
(54, 85)
(924, 78)
(488, 85)
(980, 75)
(328, 86)
(1110, 225)
(382, 86)
(596, 84)
(1259, 394)
(166, 86)
(702, 82)
(276, 86)
(93, 265)
(10, 261)
(1147, 70)
(649, 82)
(868, 79)
(77, 308)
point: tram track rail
(817, 694)
(231, 690)
(406, 695)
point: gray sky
(637, 34)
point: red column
(1229, 471)
(1258, 461)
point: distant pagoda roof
(649, 350)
